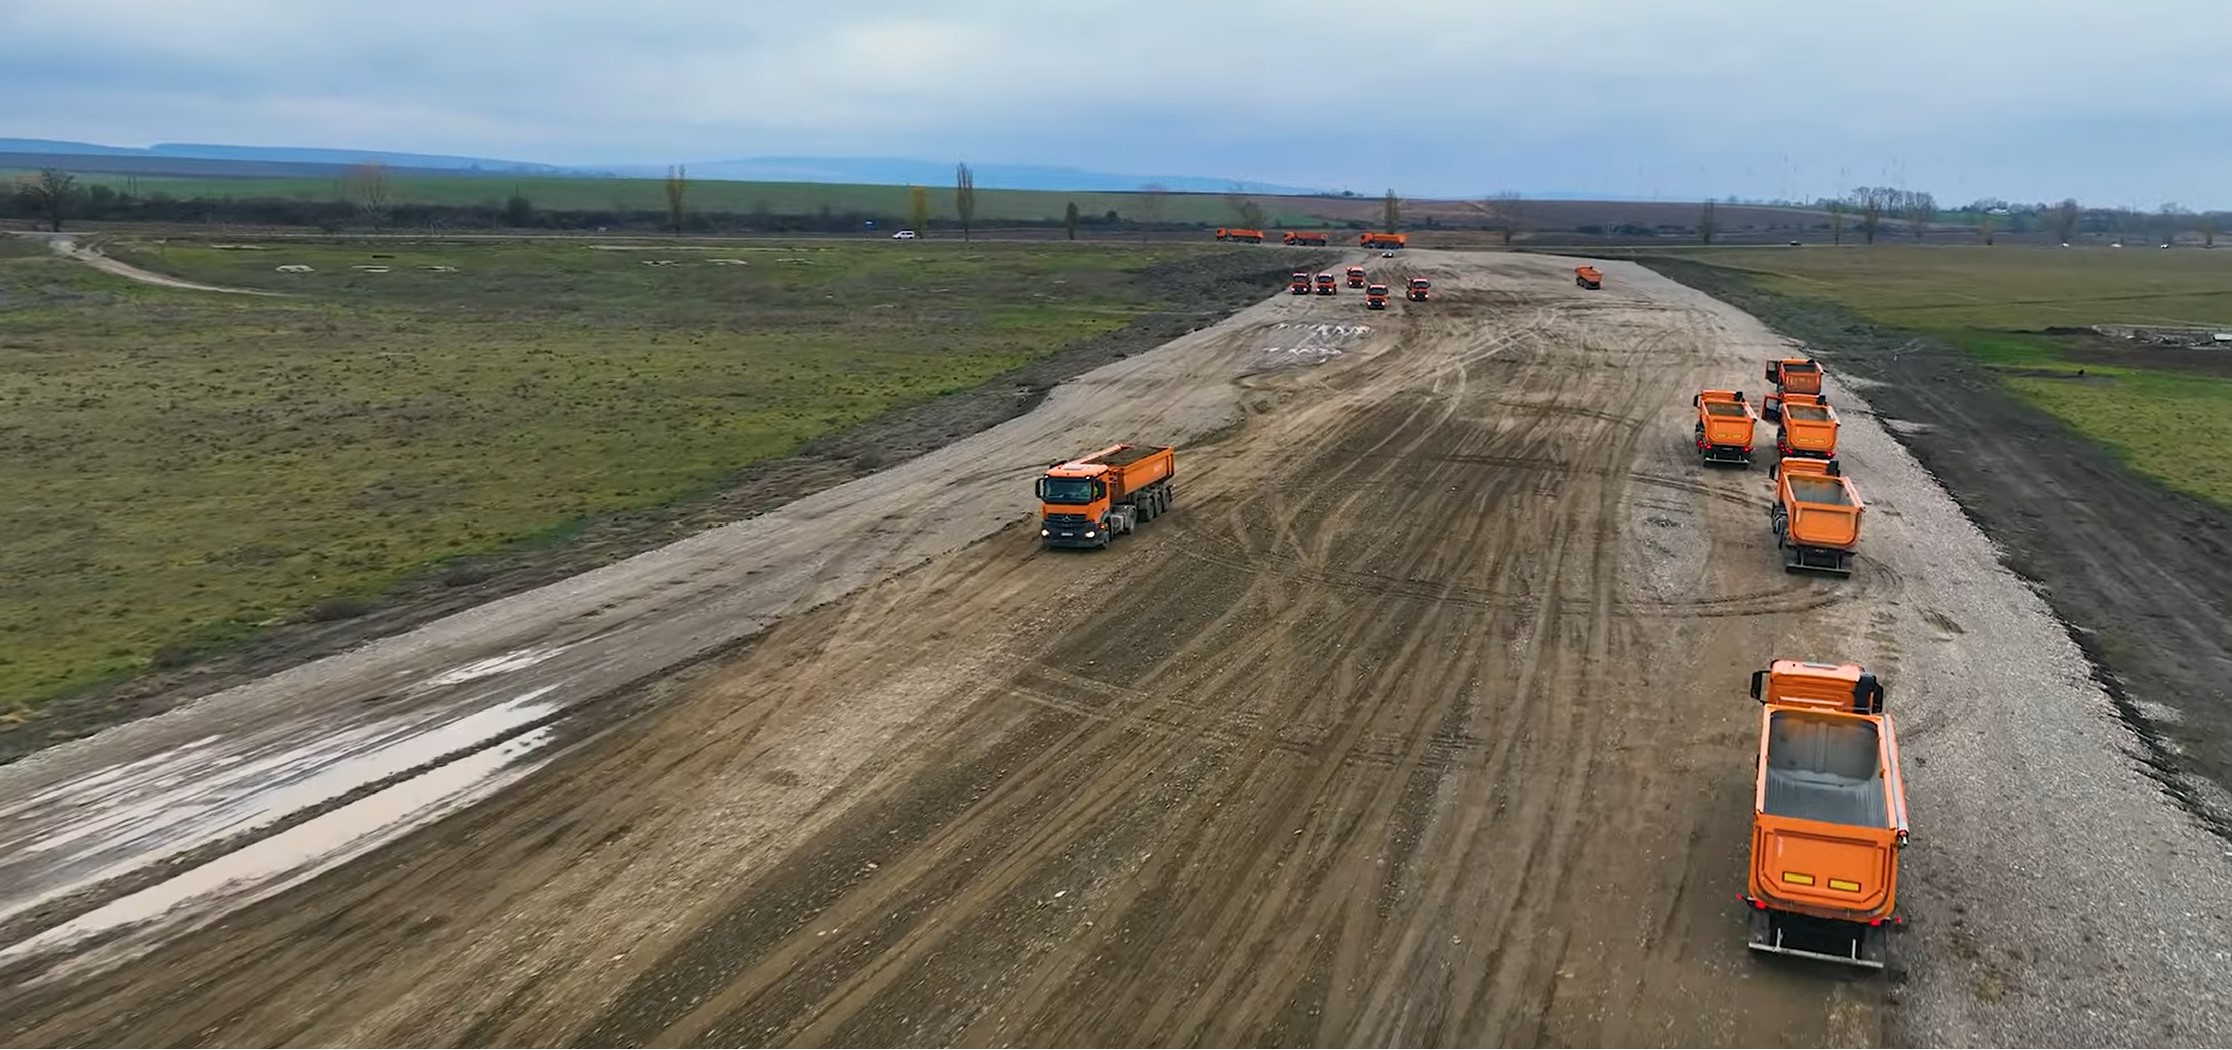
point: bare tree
(1920, 209)
(1391, 211)
(1836, 207)
(1708, 221)
(2172, 220)
(964, 197)
(1154, 200)
(48, 195)
(1069, 220)
(677, 197)
(2064, 217)
(918, 209)
(1984, 228)
(1246, 210)
(1870, 201)
(2208, 226)
(368, 187)
(1506, 211)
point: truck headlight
(1046, 532)
(1088, 534)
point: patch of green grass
(2177, 428)
(182, 468)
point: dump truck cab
(1418, 289)
(1299, 283)
(1828, 814)
(1356, 277)
(1807, 427)
(1326, 285)
(1815, 515)
(1375, 297)
(1791, 375)
(1725, 422)
(1090, 500)
(1588, 277)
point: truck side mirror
(1739, 395)
(1867, 695)
(1836, 470)
(1696, 399)
(1040, 488)
(1774, 470)
(1758, 682)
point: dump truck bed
(1824, 770)
(1828, 492)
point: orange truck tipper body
(1316, 238)
(1236, 234)
(1791, 375)
(1588, 277)
(1299, 283)
(1356, 277)
(1828, 814)
(1375, 297)
(1383, 240)
(1326, 285)
(1724, 427)
(1419, 286)
(1808, 427)
(1088, 501)
(1816, 516)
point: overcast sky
(2113, 101)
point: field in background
(185, 469)
(2168, 412)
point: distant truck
(1326, 285)
(1808, 427)
(1724, 427)
(1090, 500)
(1588, 277)
(1383, 240)
(1815, 515)
(1356, 277)
(1225, 233)
(1311, 238)
(1791, 375)
(1828, 815)
(1419, 287)
(1375, 297)
(1299, 283)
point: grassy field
(184, 468)
(2168, 413)
(781, 198)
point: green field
(777, 198)
(2169, 415)
(185, 468)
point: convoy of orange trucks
(1808, 427)
(1236, 234)
(1382, 240)
(1828, 814)
(1791, 375)
(1724, 427)
(1090, 500)
(1815, 515)
(1356, 277)
(1588, 276)
(1313, 238)
(1375, 297)
(1419, 286)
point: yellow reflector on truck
(1800, 879)
(1846, 885)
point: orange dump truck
(1316, 239)
(1724, 427)
(1356, 277)
(1419, 286)
(1808, 427)
(1816, 516)
(1828, 814)
(1375, 297)
(1326, 285)
(1236, 234)
(1299, 283)
(1791, 375)
(1588, 277)
(1383, 240)
(1088, 501)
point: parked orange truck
(1724, 427)
(1383, 240)
(1356, 277)
(1828, 814)
(1588, 277)
(1299, 283)
(1236, 234)
(1816, 516)
(1419, 286)
(1326, 285)
(1808, 427)
(1791, 375)
(1375, 297)
(1315, 238)
(1090, 500)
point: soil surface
(1420, 719)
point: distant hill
(284, 155)
(991, 176)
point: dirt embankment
(2141, 575)
(1220, 284)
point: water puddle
(494, 665)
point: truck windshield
(1066, 490)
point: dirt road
(68, 247)
(1420, 720)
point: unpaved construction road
(1420, 720)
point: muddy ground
(1222, 283)
(2142, 575)
(1420, 720)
